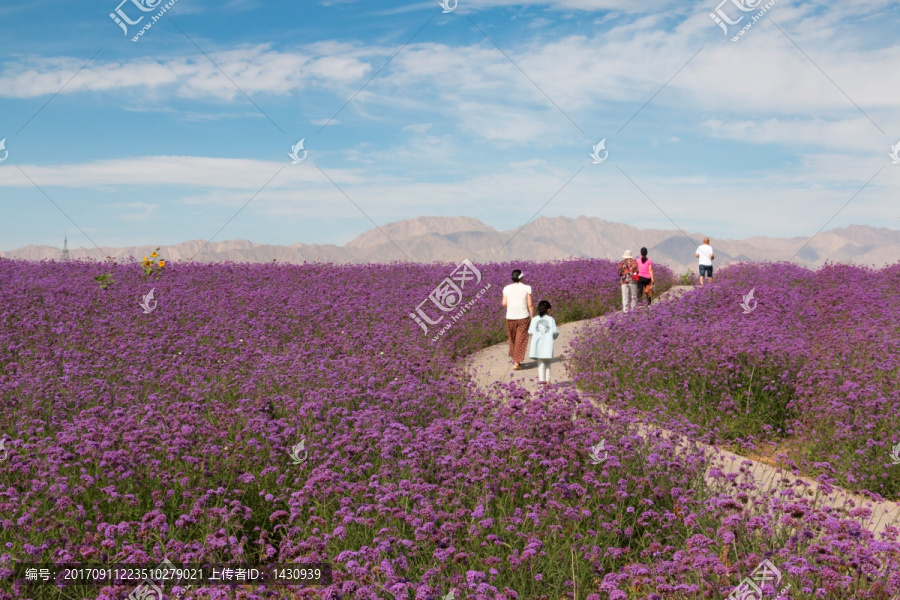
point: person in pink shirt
(645, 275)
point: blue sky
(490, 111)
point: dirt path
(493, 365)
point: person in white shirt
(706, 256)
(519, 311)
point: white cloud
(579, 5)
(223, 173)
(253, 69)
(802, 197)
(765, 75)
(848, 135)
(418, 128)
(501, 124)
(135, 211)
(624, 66)
(566, 6)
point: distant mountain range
(452, 239)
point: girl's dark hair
(543, 307)
(643, 255)
(516, 275)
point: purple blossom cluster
(135, 437)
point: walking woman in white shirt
(519, 311)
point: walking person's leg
(543, 370)
(632, 290)
(511, 335)
(641, 284)
(520, 346)
(625, 299)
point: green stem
(749, 387)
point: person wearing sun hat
(628, 271)
(519, 311)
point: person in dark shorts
(706, 256)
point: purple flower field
(134, 437)
(812, 370)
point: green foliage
(688, 278)
(105, 280)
